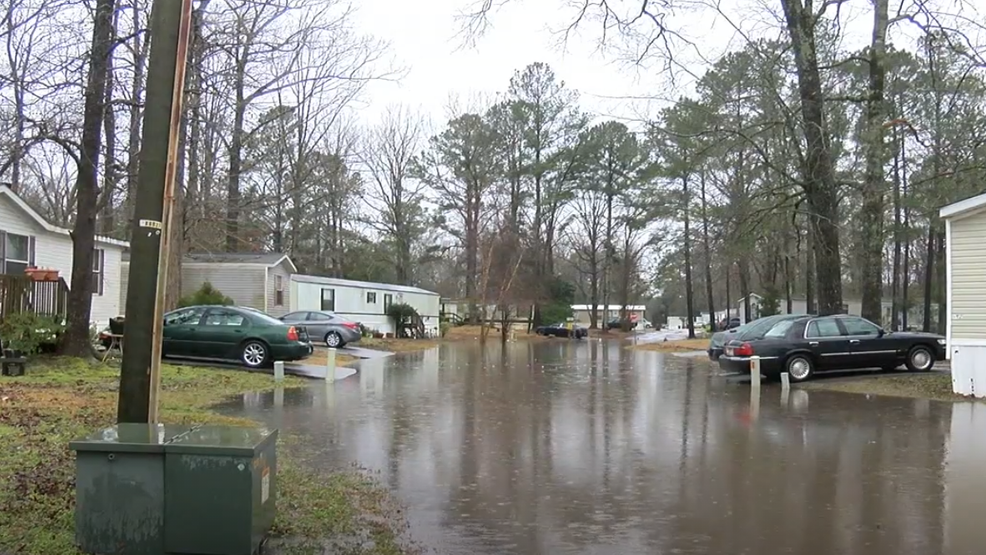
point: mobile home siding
(273, 308)
(54, 250)
(243, 284)
(352, 302)
(968, 258)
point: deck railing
(23, 294)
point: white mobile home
(27, 239)
(363, 301)
(965, 266)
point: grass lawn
(930, 385)
(63, 399)
(677, 345)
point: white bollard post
(330, 365)
(785, 381)
(513, 336)
(755, 371)
(278, 370)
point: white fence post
(755, 371)
(330, 365)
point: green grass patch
(63, 399)
(932, 385)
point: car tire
(254, 354)
(799, 368)
(920, 359)
(333, 340)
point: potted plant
(50, 274)
(33, 273)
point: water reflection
(587, 447)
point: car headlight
(942, 341)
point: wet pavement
(586, 447)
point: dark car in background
(249, 336)
(809, 344)
(325, 326)
(562, 330)
(750, 330)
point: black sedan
(808, 344)
(752, 330)
(562, 330)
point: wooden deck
(22, 294)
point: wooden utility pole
(140, 375)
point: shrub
(29, 333)
(443, 327)
(402, 313)
(207, 294)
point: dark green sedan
(232, 333)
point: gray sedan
(331, 328)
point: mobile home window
(388, 300)
(278, 290)
(98, 265)
(15, 254)
(329, 300)
(371, 297)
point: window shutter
(3, 247)
(30, 251)
(101, 253)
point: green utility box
(154, 489)
(119, 483)
(221, 490)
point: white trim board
(959, 342)
(948, 289)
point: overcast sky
(423, 38)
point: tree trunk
(75, 341)
(895, 280)
(942, 289)
(820, 188)
(871, 212)
(236, 161)
(689, 293)
(708, 251)
(108, 216)
(929, 274)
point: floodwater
(585, 447)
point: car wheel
(920, 359)
(254, 354)
(333, 340)
(799, 368)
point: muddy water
(585, 447)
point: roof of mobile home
(259, 259)
(361, 284)
(964, 207)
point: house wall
(284, 271)
(352, 303)
(968, 288)
(585, 317)
(54, 250)
(241, 282)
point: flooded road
(586, 447)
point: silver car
(331, 328)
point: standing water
(587, 447)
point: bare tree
(388, 153)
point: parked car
(808, 344)
(731, 323)
(250, 336)
(561, 330)
(331, 328)
(751, 330)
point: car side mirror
(881, 332)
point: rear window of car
(780, 329)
